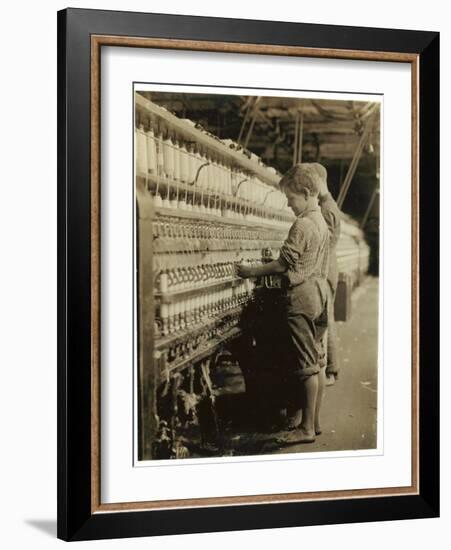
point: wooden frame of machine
(81, 35)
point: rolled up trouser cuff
(306, 372)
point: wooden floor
(350, 406)
(349, 411)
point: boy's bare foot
(293, 421)
(297, 436)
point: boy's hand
(243, 271)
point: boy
(332, 217)
(303, 265)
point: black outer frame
(75, 520)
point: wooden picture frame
(81, 35)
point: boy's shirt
(305, 252)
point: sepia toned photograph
(257, 237)
(244, 212)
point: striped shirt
(305, 252)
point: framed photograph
(248, 274)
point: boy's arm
(291, 250)
(333, 222)
(272, 268)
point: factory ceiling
(343, 135)
(271, 126)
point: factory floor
(349, 409)
(350, 406)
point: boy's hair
(302, 178)
(321, 170)
(322, 173)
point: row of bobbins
(197, 309)
(192, 178)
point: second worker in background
(332, 216)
